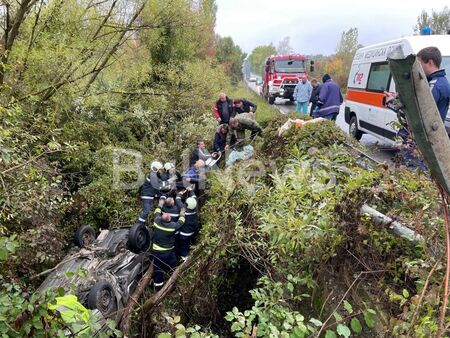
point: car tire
(102, 297)
(139, 238)
(353, 128)
(84, 236)
(271, 99)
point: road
(370, 142)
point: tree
(284, 46)
(258, 56)
(231, 56)
(439, 22)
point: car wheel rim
(87, 238)
(141, 239)
(105, 301)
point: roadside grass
(265, 111)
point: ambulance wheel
(353, 128)
(84, 236)
(271, 99)
(139, 238)
(102, 297)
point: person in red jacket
(223, 109)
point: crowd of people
(325, 97)
(175, 218)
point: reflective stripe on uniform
(190, 213)
(148, 180)
(157, 210)
(159, 284)
(160, 227)
(174, 215)
(141, 219)
(182, 219)
(147, 197)
(187, 234)
(157, 247)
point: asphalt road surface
(376, 148)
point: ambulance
(369, 77)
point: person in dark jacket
(163, 247)
(223, 109)
(244, 106)
(172, 176)
(190, 227)
(151, 189)
(243, 122)
(200, 153)
(330, 99)
(224, 138)
(314, 95)
(172, 207)
(430, 58)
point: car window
(378, 77)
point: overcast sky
(315, 27)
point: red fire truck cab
(281, 75)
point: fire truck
(281, 75)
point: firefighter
(172, 176)
(163, 247)
(172, 207)
(243, 122)
(190, 227)
(244, 106)
(151, 189)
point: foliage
(258, 57)
(438, 21)
(231, 56)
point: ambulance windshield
(290, 66)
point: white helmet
(168, 166)
(156, 165)
(191, 203)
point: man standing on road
(330, 99)
(223, 109)
(430, 58)
(302, 93)
(314, 96)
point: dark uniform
(190, 228)
(150, 190)
(163, 247)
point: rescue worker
(172, 176)
(244, 106)
(172, 207)
(190, 227)
(151, 189)
(223, 109)
(163, 247)
(224, 138)
(243, 122)
(200, 153)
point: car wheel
(353, 128)
(102, 297)
(271, 99)
(84, 236)
(139, 238)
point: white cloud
(315, 27)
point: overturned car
(103, 272)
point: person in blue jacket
(430, 58)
